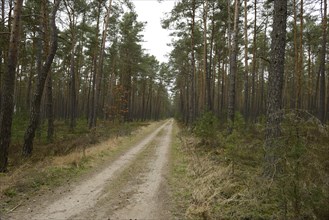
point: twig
(265, 59)
(13, 209)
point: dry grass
(35, 174)
(76, 157)
(226, 182)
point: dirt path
(92, 198)
(146, 204)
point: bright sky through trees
(156, 38)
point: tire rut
(86, 195)
(148, 200)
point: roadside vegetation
(70, 156)
(221, 176)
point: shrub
(206, 128)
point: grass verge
(35, 177)
(179, 180)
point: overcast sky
(156, 38)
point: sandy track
(146, 204)
(85, 195)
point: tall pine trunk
(7, 100)
(254, 62)
(233, 67)
(192, 108)
(246, 66)
(211, 84)
(92, 114)
(322, 71)
(275, 87)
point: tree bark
(253, 74)
(192, 102)
(211, 75)
(299, 103)
(323, 65)
(206, 104)
(246, 66)
(7, 102)
(73, 98)
(275, 86)
(92, 113)
(233, 67)
(50, 110)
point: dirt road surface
(131, 187)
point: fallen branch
(13, 209)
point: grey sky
(156, 38)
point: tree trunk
(323, 65)
(7, 102)
(246, 83)
(206, 92)
(301, 57)
(73, 90)
(222, 100)
(275, 86)
(262, 80)
(100, 68)
(29, 85)
(233, 67)
(92, 113)
(218, 80)
(294, 86)
(35, 109)
(50, 111)
(1, 72)
(310, 77)
(192, 101)
(212, 66)
(254, 60)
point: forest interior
(233, 125)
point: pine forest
(243, 96)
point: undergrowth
(225, 179)
(65, 140)
(69, 156)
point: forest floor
(131, 186)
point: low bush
(206, 128)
